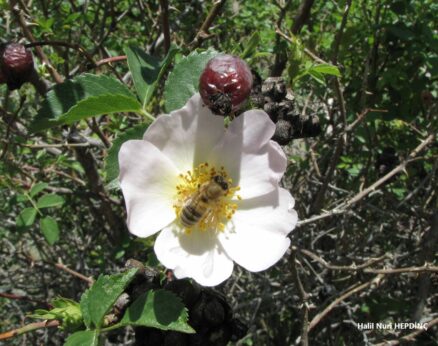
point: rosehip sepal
(225, 84)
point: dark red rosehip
(16, 64)
(225, 84)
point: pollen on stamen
(218, 212)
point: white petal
(257, 173)
(187, 135)
(250, 131)
(256, 236)
(197, 255)
(148, 181)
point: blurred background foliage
(386, 52)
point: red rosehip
(225, 84)
(16, 64)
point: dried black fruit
(209, 313)
(175, 339)
(219, 336)
(16, 64)
(282, 133)
(275, 88)
(272, 109)
(214, 312)
(257, 101)
(304, 126)
(256, 82)
(284, 109)
(187, 291)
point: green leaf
(84, 96)
(183, 81)
(50, 200)
(158, 309)
(37, 188)
(327, 69)
(83, 338)
(99, 299)
(50, 229)
(112, 160)
(26, 217)
(85, 309)
(319, 77)
(251, 46)
(146, 70)
(66, 310)
(98, 105)
(22, 198)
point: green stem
(33, 203)
(147, 115)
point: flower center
(204, 198)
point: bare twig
(304, 297)
(428, 245)
(410, 336)
(164, 5)
(28, 34)
(203, 31)
(424, 269)
(94, 126)
(300, 20)
(364, 266)
(375, 281)
(63, 267)
(343, 207)
(25, 298)
(29, 328)
(396, 170)
(111, 60)
(320, 260)
(62, 145)
(312, 55)
(74, 46)
(302, 16)
(340, 32)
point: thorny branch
(408, 337)
(343, 207)
(203, 31)
(164, 5)
(28, 328)
(304, 297)
(375, 282)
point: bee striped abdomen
(201, 202)
(190, 215)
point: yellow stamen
(220, 211)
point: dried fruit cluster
(272, 96)
(209, 313)
(16, 65)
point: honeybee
(200, 202)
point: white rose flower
(179, 155)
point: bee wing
(188, 200)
